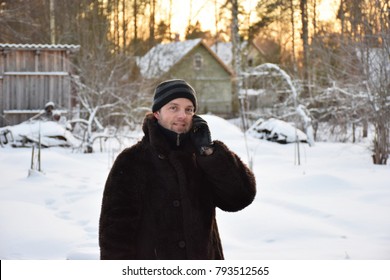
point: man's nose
(181, 113)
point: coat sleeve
(234, 184)
(120, 211)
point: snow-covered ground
(334, 205)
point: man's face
(176, 115)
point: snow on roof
(40, 47)
(163, 56)
(36, 73)
(224, 51)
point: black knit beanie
(172, 89)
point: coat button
(182, 244)
(160, 156)
(176, 203)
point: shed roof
(39, 47)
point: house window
(250, 62)
(198, 61)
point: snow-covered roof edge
(162, 57)
(153, 66)
(218, 59)
(40, 46)
(213, 54)
(224, 50)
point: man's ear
(157, 115)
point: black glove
(200, 136)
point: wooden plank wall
(2, 120)
(24, 92)
(36, 61)
(31, 78)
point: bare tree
(23, 21)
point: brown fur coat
(159, 203)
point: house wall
(251, 58)
(211, 81)
(2, 120)
(30, 79)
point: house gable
(212, 80)
(193, 61)
(162, 57)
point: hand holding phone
(201, 136)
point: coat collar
(162, 139)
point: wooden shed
(32, 75)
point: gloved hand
(200, 136)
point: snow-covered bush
(276, 131)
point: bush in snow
(276, 131)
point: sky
(203, 10)
(335, 205)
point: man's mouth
(179, 124)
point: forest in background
(341, 67)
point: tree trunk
(236, 57)
(305, 41)
(152, 23)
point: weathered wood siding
(31, 76)
(2, 120)
(23, 92)
(35, 60)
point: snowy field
(334, 205)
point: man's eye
(190, 110)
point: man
(160, 196)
